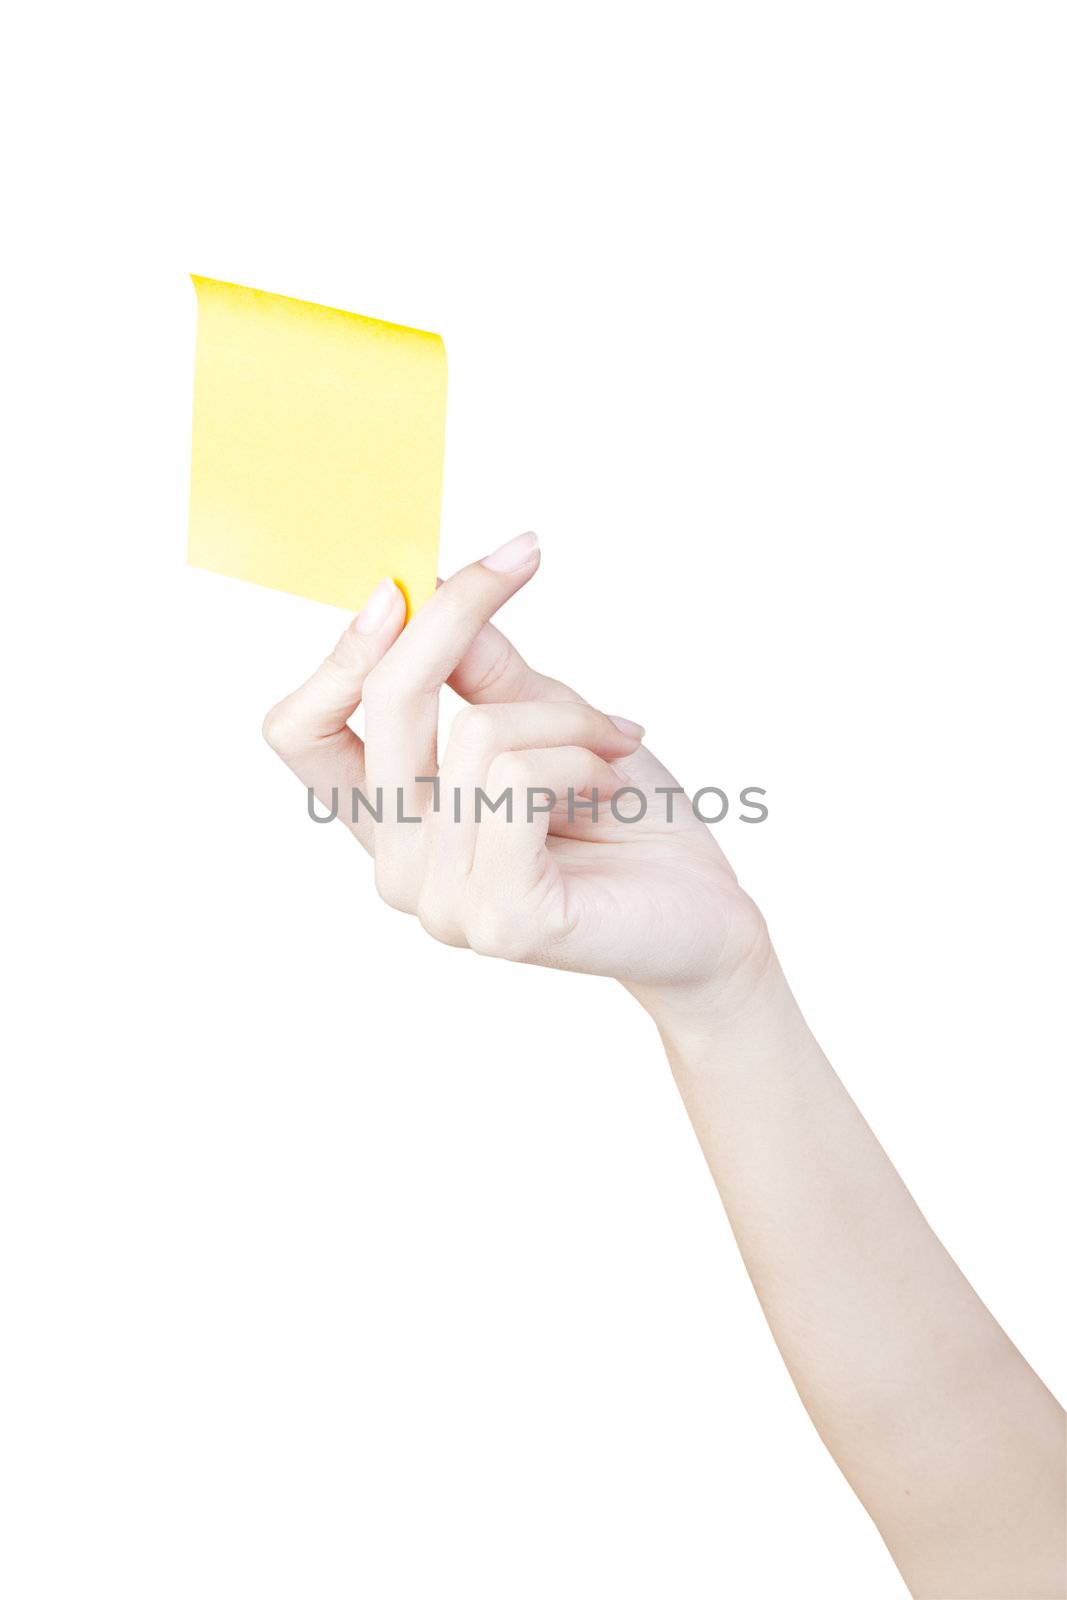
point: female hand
(950, 1440)
(652, 902)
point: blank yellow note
(318, 447)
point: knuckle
(494, 930)
(484, 932)
(438, 921)
(278, 728)
(504, 669)
(511, 770)
(592, 729)
(476, 726)
(392, 886)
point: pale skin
(948, 1437)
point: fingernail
(513, 555)
(379, 604)
(633, 730)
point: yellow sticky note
(318, 447)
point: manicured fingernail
(380, 603)
(513, 555)
(633, 730)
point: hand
(907, 1376)
(651, 902)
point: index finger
(400, 696)
(439, 636)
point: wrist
(734, 1019)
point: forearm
(948, 1437)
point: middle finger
(400, 701)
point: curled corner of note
(318, 447)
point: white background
(338, 1263)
